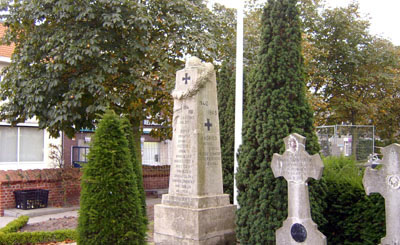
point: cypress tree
(137, 167)
(226, 110)
(110, 211)
(275, 107)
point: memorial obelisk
(195, 210)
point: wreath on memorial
(206, 73)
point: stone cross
(296, 166)
(386, 181)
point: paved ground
(39, 216)
(44, 214)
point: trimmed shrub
(110, 210)
(137, 167)
(275, 106)
(353, 217)
(37, 237)
(226, 110)
(15, 225)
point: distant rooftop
(5, 51)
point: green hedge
(353, 217)
(9, 234)
(15, 225)
(37, 237)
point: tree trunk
(137, 133)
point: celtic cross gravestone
(296, 166)
(195, 210)
(386, 181)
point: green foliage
(275, 106)
(137, 166)
(343, 170)
(111, 210)
(72, 61)
(37, 237)
(15, 225)
(364, 149)
(353, 217)
(226, 109)
(353, 76)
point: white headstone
(296, 166)
(386, 181)
(195, 210)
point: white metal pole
(239, 93)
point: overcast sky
(384, 15)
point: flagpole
(239, 94)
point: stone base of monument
(205, 220)
(299, 231)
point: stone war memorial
(296, 166)
(195, 210)
(386, 181)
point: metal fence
(347, 140)
(157, 153)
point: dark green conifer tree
(226, 110)
(137, 167)
(110, 210)
(275, 106)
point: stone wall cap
(33, 175)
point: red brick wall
(156, 177)
(5, 50)
(63, 185)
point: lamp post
(238, 94)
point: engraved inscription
(211, 152)
(204, 103)
(295, 166)
(182, 178)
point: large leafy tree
(276, 106)
(352, 76)
(74, 59)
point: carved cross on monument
(296, 166)
(208, 124)
(186, 78)
(386, 181)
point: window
(79, 155)
(21, 144)
(151, 153)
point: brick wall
(63, 185)
(5, 50)
(156, 177)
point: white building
(24, 146)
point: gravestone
(296, 166)
(386, 181)
(195, 210)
